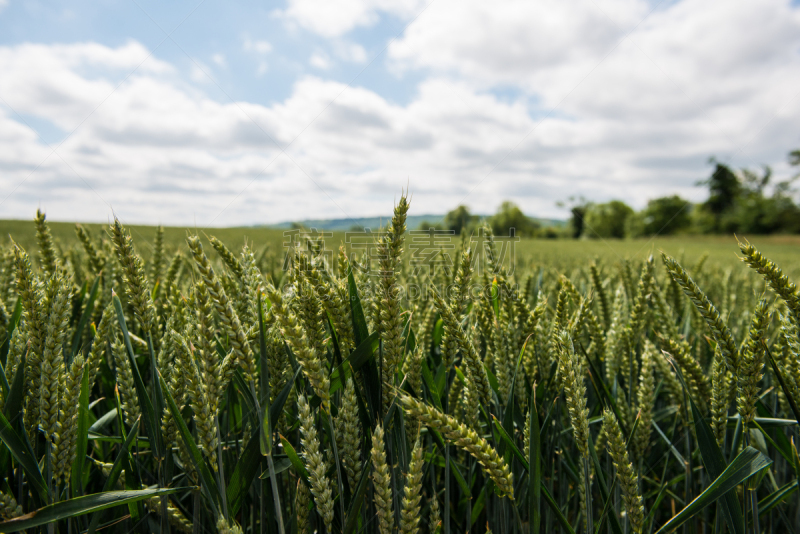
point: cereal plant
(388, 389)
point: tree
(794, 161)
(755, 183)
(759, 214)
(576, 222)
(607, 220)
(663, 216)
(794, 158)
(460, 219)
(577, 208)
(738, 202)
(509, 216)
(724, 189)
(427, 225)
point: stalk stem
(275, 497)
(446, 509)
(221, 472)
(588, 496)
(338, 467)
(50, 498)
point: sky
(239, 113)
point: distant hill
(412, 222)
(373, 223)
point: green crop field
(722, 250)
(252, 380)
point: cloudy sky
(216, 114)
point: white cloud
(199, 72)
(611, 58)
(334, 19)
(342, 50)
(47, 80)
(260, 47)
(347, 51)
(3, 4)
(512, 41)
(320, 60)
(697, 77)
(219, 60)
(634, 118)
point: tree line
(739, 200)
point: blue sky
(244, 113)
(186, 33)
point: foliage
(577, 208)
(607, 220)
(738, 202)
(576, 220)
(426, 225)
(210, 391)
(460, 220)
(664, 216)
(509, 216)
(724, 188)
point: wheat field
(221, 381)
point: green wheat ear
(316, 462)
(228, 257)
(719, 329)
(157, 264)
(223, 527)
(455, 310)
(410, 513)
(57, 300)
(471, 358)
(98, 351)
(348, 434)
(574, 386)
(96, 259)
(790, 364)
(230, 319)
(751, 364)
(124, 375)
(646, 400)
(389, 320)
(572, 380)
(137, 287)
(65, 444)
(382, 483)
(302, 505)
(466, 439)
(774, 276)
(625, 473)
(47, 251)
(295, 334)
(694, 374)
(435, 518)
(719, 398)
(602, 295)
(334, 300)
(204, 409)
(8, 506)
